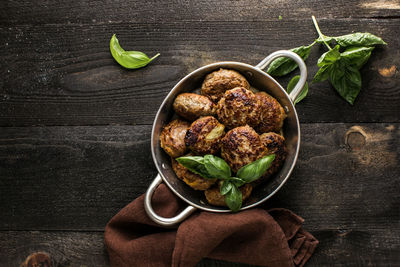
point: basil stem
(321, 36)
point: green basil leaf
(357, 56)
(359, 39)
(233, 199)
(237, 181)
(322, 74)
(329, 57)
(291, 86)
(346, 79)
(226, 187)
(195, 164)
(217, 167)
(283, 65)
(128, 59)
(256, 169)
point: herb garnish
(211, 167)
(340, 65)
(129, 59)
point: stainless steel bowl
(291, 130)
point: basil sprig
(128, 59)
(211, 167)
(340, 65)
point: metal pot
(258, 79)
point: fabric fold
(256, 236)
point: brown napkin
(255, 236)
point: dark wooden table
(75, 126)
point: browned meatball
(192, 106)
(239, 107)
(216, 83)
(172, 138)
(241, 146)
(275, 144)
(193, 180)
(204, 136)
(272, 114)
(214, 196)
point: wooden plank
(375, 247)
(64, 248)
(63, 74)
(77, 178)
(61, 178)
(45, 12)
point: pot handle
(158, 219)
(302, 66)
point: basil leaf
(282, 66)
(237, 181)
(256, 169)
(128, 59)
(329, 57)
(217, 167)
(291, 86)
(195, 164)
(325, 63)
(226, 187)
(357, 56)
(322, 74)
(233, 199)
(347, 80)
(359, 39)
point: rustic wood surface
(75, 127)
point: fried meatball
(272, 114)
(172, 138)
(192, 106)
(275, 144)
(241, 146)
(193, 180)
(239, 107)
(216, 83)
(204, 136)
(214, 196)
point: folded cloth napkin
(255, 236)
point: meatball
(216, 83)
(172, 138)
(275, 144)
(214, 196)
(204, 136)
(193, 180)
(241, 146)
(272, 114)
(192, 106)
(239, 107)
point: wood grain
(63, 74)
(86, 11)
(77, 178)
(375, 247)
(90, 156)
